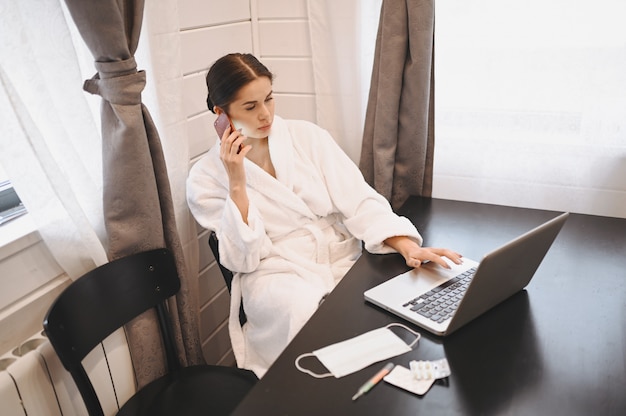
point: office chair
(227, 274)
(108, 297)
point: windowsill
(22, 318)
(16, 235)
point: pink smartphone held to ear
(221, 123)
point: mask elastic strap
(417, 334)
(309, 372)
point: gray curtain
(398, 139)
(138, 208)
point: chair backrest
(105, 299)
(226, 273)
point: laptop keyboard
(440, 303)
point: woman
(290, 210)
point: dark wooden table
(556, 348)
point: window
(530, 104)
(11, 206)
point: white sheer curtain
(343, 37)
(531, 104)
(50, 142)
(50, 133)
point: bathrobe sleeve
(367, 214)
(241, 245)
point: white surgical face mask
(354, 354)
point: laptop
(443, 300)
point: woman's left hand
(415, 255)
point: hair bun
(209, 103)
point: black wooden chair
(227, 274)
(108, 297)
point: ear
(217, 110)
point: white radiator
(33, 381)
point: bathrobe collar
(281, 188)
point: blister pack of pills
(420, 376)
(427, 370)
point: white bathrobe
(304, 232)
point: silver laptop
(442, 301)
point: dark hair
(229, 74)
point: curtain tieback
(117, 82)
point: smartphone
(221, 123)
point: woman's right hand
(233, 154)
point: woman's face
(253, 109)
